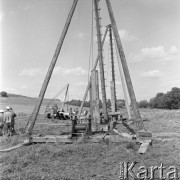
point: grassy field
(98, 161)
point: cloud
(158, 53)
(174, 50)
(31, 72)
(78, 71)
(152, 74)
(125, 35)
(57, 70)
(24, 87)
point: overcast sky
(30, 30)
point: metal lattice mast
(101, 66)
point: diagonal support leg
(139, 122)
(31, 121)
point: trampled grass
(95, 161)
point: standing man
(13, 120)
(7, 121)
(1, 120)
(54, 112)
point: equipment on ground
(52, 112)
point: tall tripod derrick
(138, 119)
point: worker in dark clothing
(1, 120)
(53, 113)
(13, 120)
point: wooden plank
(117, 132)
(66, 139)
(114, 113)
(54, 124)
(126, 135)
(55, 139)
(92, 139)
(143, 147)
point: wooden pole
(65, 96)
(113, 97)
(139, 122)
(101, 65)
(90, 95)
(32, 120)
(95, 100)
(94, 68)
(124, 87)
(113, 105)
(113, 84)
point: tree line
(75, 102)
(169, 100)
(120, 103)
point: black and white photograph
(89, 89)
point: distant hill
(17, 95)
(24, 104)
(21, 99)
(22, 96)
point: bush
(75, 102)
(120, 103)
(143, 104)
(169, 100)
(3, 94)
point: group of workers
(7, 121)
(56, 113)
(60, 114)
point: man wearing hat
(7, 121)
(1, 119)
